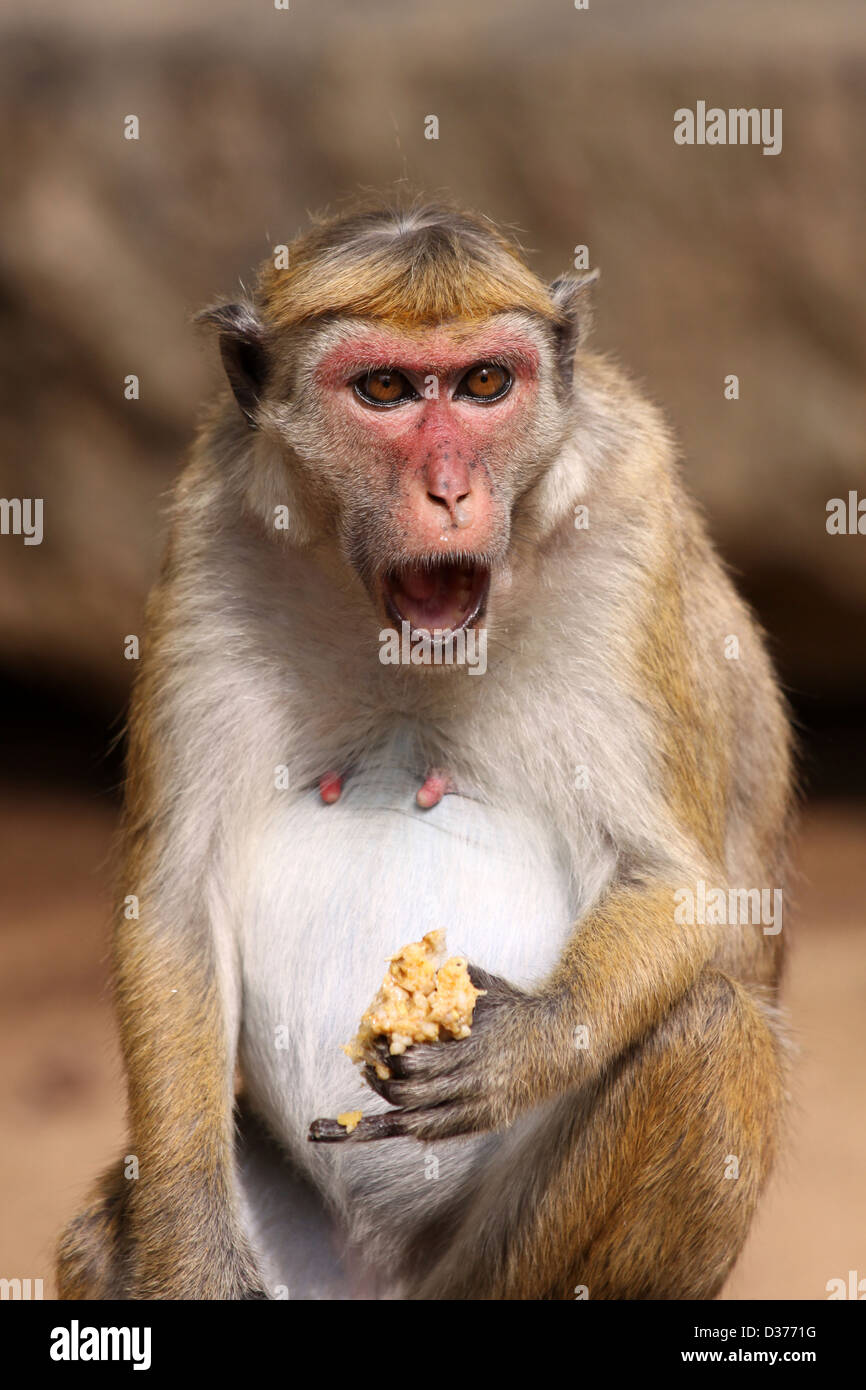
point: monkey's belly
(334, 891)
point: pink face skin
(443, 448)
(442, 463)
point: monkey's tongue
(444, 596)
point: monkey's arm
(624, 967)
(180, 1236)
(177, 988)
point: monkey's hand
(460, 1087)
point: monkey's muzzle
(437, 595)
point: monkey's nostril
(443, 495)
(459, 508)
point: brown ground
(60, 1094)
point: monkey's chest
(335, 890)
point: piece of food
(350, 1119)
(420, 1001)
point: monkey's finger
(370, 1127)
(419, 1060)
(443, 1121)
(381, 1048)
(420, 1093)
(440, 1122)
(402, 1093)
(496, 990)
(374, 1081)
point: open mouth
(443, 596)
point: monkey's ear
(242, 348)
(572, 296)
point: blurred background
(558, 123)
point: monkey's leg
(89, 1252)
(643, 1187)
(173, 1231)
(183, 1217)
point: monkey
(417, 438)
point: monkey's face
(421, 445)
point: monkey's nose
(448, 486)
(458, 505)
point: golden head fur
(411, 267)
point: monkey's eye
(384, 387)
(486, 382)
